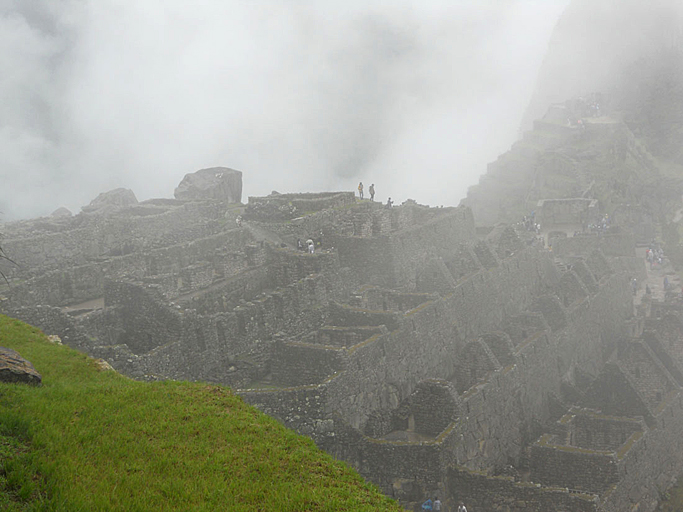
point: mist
(415, 97)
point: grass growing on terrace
(92, 440)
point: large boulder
(61, 212)
(110, 201)
(14, 368)
(219, 183)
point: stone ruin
(433, 356)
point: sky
(300, 95)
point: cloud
(304, 95)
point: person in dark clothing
(372, 192)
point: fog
(415, 97)
(596, 41)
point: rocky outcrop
(218, 183)
(108, 202)
(14, 368)
(61, 212)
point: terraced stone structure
(432, 356)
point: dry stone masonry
(434, 355)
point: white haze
(415, 97)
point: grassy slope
(94, 440)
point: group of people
(371, 190)
(584, 107)
(600, 227)
(310, 244)
(654, 255)
(436, 505)
(530, 224)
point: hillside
(90, 439)
(594, 44)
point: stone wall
(570, 289)
(79, 283)
(573, 211)
(494, 414)
(288, 206)
(501, 494)
(51, 320)
(598, 432)
(95, 236)
(611, 244)
(650, 464)
(632, 266)
(298, 364)
(572, 467)
(649, 375)
(432, 407)
(394, 261)
(137, 317)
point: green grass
(92, 440)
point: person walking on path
(437, 504)
(462, 507)
(372, 192)
(360, 190)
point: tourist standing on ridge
(372, 192)
(360, 189)
(389, 203)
